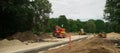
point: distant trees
(23, 15)
(51, 24)
(112, 13)
(72, 26)
(91, 26)
(100, 25)
(62, 20)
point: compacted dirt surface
(11, 46)
(113, 35)
(92, 45)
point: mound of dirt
(113, 35)
(7, 43)
(25, 36)
(45, 36)
(28, 36)
(93, 45)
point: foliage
(23, 15)
(41, 8)
(90, 26)
(51, 24)
(100, 25)
(72, 26)
(112, 13)
(14, 16)
(62, 20)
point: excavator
(81, 32)
(59, 32)
(102, 35)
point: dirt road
(33, 46)
(111, 44)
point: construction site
(59, 26)
(61, 42)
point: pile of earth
(23, 36)
(113, 35)
(28, 35)
(7, 43)
(92, 45)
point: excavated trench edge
(36, 50)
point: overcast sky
(78, 9)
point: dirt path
(92, 45)
(22, 47)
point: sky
(78, 9)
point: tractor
(59, 32)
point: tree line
(33, 15)
(90, 26)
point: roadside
(10, 46)
(91, 44)
(111, 44)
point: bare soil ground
(92, 45)
(28, 35)
(20, 39)
(113, 35)
(6, 43)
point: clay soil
(92, 45)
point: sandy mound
(94, 45)
(25, 36)
(7, 43)
(28, 35)
(113, 35)
(46, 36)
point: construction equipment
(59, 32)
(81, 32)
(102, 35)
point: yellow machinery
(81, 32)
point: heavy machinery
(59, 32)
(102, 35)
(81, 32)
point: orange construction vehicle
(59, 32)
(102, 35)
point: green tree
(23, 15)
(72, 26)
(112, 13)
(51, 24)
(62, 20)
(79, 25)
(90, 26)
(41, 8)
(108, 27)
(15, 15)
(100, 25)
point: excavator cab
(59, 32)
